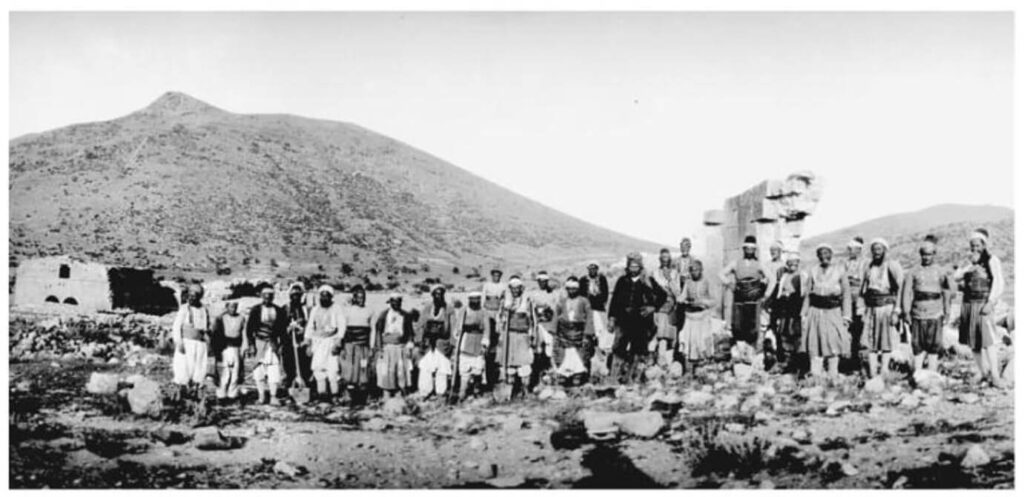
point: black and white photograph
(510, 249)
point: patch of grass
(713, 451)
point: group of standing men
(833, 311)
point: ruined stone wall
(39, 280)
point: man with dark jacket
(265, 330)
(594, 286)
(630, 314)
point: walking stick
(503, 391)
(453, 395)
(298, 390)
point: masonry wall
(38, 281)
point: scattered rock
(837, 407)
(644, 424)
(752, 403)
(145, 397)
(742, 371)
(375, 424)
(766, 390)
(802, 437)
(875, 385)
(477, 443)
(393, 406)
(766, 485)
(546, 393)
(289, 470)
(600, 425)
(974, 456)
(210, 438)
(929, 381)
(811, 394)
(698, 398)
(511, 481)
(654, 373)
(675, 370)
(67, 444)
(513, 423)
(910, 401)
(727, 402)
(849, 469)
(968, 398)
(560, 395)
(735, 428)
(102, 383)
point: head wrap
(855, 242)
(823, 245)
(593, 264)
(394, 296)
(434, 289)
(572, 284)
(296, 288)
(750, 241)
(634, 257)
(927, 246)
(267, 289)
(326, 289)
(515, 281)
(475, 294)
(496, 270)
(543, 275)
(792, 256)
(777, 244)
(980, 234)
(195, 288)
(880, 241)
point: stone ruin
(770, 210)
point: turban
(195, 288)
(927, 246)
(979, 234)
(436, 288)
(777, 244)
(855, 242)
(880, 241)
(792, 256)
(823, 246)
(267, 289)
(394, 296)
(475, 294)
(496, 270)
(326, 289)
(515, 281)
(296, 288)
(542, 275)
(634, 256)
(750, 241)
(593, 264)
(572, 284)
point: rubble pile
(84, 337)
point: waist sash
(492, 303)
(519, 323)
(359, 335)
(920, 296)
(434, 330)
(826, 301)
(748, 290)
(875, 299)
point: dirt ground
(758, 432)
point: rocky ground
(108, 419)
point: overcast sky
(664, 114)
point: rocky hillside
(182, 184)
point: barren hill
(182, 183)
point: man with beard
(594, 286)
(357, 346)
(472, 327)
(630, 315)
(435, 334)
(543, 301)
(228, 342)
(825, 315)
(574, 324)
(394, 331)
(854, 268)
(666, 283)
(881, 285)
(516, 338)
(298, 317)
(190, 332)
(785, 304)
(266, 329)
(982, 284)
(748, 281)
(494, 293)
(324, 333)
(924, 303)
(683, 266)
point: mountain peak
(175, 103)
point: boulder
(102, 383)
(968, 398)
(644, 424)
(375, 424)
(477, 443)
(727, 402)
(288, 469)
(974, 456)
(875, 385)
(675, 370)
(929, 381)
(962, 351)
(210, 438)
(812, 394)
(546, 393)
(145, 397)
(600, 424)
(910, 401)
(654, 373)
